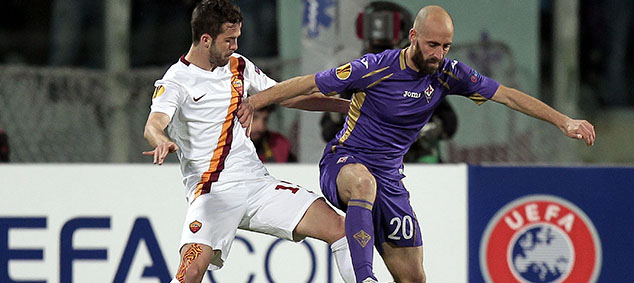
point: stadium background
(76, 78)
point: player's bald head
(433, 17)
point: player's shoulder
(381, 60)
(250, 69)
(241, 59)
(177, 75)
(454, 68)
(178, 70)
(368, 65)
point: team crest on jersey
(343, 71)
(429, 92)
(236, 83)
(540, 238)
(195, 226)
(158, 91)
(342, 159)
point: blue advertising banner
(551, 224)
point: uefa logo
(540, 238)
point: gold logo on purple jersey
(343, 71)
(362, 237)
(429, 92)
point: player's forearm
(535, 108)
(285, 90)
(318, 102)
(154, 131)
(155, 136)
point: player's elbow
(504, 96)
(307, 85)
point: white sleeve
(167, 97)
(258, 80)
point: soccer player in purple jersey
(396, 92)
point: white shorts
(267, 205)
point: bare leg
(322, 222)
(404, 263)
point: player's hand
(245, 114)
(580, 129)
(161, 151)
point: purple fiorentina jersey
(392, 102)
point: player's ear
(412, 35)
(206, 40)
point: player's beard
(426, 67)
(216, 58)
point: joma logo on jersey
(411, 94)
(540, 238)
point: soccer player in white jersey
(227, 185)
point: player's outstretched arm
(155, 135)
(279, 92)
(318, 102)
(517, 100)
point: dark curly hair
(209, 16)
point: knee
(194, 273)
(364, 187)
(340, 224)
(420, 278)
(358, 181)
(412, 277)
(337, 230)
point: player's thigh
(404, 263)
(321, 222)
(355, 181)
(276, 207)
(212, 219)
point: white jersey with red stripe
(202, 106)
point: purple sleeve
(347, 76)
(471, 83)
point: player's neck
(408, 59)
(199, 57)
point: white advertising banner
(122, 223)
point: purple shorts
(394, 219)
